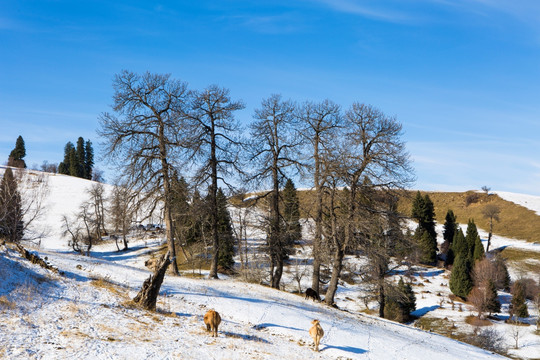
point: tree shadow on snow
(345, 348)
(423, 311)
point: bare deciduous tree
(146, 134)
(30, 191)
(214, 140)
(491, 212)
(122, 208)
(273, 150)
(319, 123)
(372, 156)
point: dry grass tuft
(105, 283)
(529, 261)
(6, 304)
(475, 321)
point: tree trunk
(214, 211)
(147, 296)
(316, 277)
(489, 235)
(278, 272)
(382, 301)
(336, 272)
(275, 229)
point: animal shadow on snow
(245, 337)
(267, 325)
(350, 349)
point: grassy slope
(515, 221)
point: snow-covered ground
(48, 316)
(531, 202)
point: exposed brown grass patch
(443, 327)
(75, 334)
(515, 221)
(104, 283)
(475, 321)
(528, 261)
(6, 304)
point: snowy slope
(54, 317)
(67, 317)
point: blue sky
(463, 76)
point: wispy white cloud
(413, 11)
(372, 9)
(271, 24)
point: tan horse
(316, 333)
(212, 321)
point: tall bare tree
(122, 208)
(491, 212)
(145, 135)
(272, 152)
(319, 123)
(22, 203)
(214, 142)
(373, 157)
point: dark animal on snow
(312, 294)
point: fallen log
(147, 296)
(35, 259)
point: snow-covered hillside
(73, 316)
(79, 315)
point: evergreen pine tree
(180, 208)
(518, 300)
(461, 283)
(81, 158)
(291, 211)
(73, 163)
(89, 160)
(17, 154)
(459, 245)
(426, 236)
(196, 218)
(399, 302)
(503, 277)
(493, 305)
(226, 237)
(65, 166)
(474, 244)
(428, 252)
(450, 230)
(450, 226)
(11, 215)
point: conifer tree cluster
(78, 161)
(191, 217)
(519, 306)
(425, 234)
(400, 301)
(467, 250)
(11, 214)
(16, 157)
(291, 212)
(450, 229)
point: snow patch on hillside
(531, 202)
